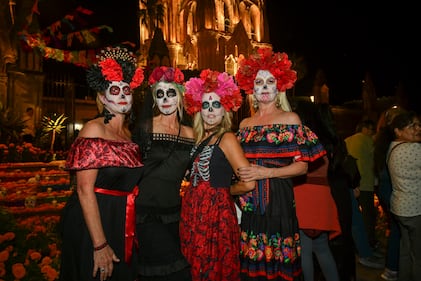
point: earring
(255, 104)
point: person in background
(98, 221)
(382, 141)
(317, 214)
(361, 146)
(279, 148)
(344, 178)
(404, 162)
(209, 232)
(165, 144)
(28, 132)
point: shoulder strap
(199, 149)
(393, 148)
(219, 138)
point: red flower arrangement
(166, 74)
(137, 78)
(276, 63)
(111, 70)
(212, 81)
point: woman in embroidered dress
(165, 144)
(209, 228)
(98, 221)
(279, 147)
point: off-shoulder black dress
(119, 165)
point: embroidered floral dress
(270, 241)
(209, 229)
(118, 164)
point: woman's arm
(256, 172)
(104, 255)
(235, 156)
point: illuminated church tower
(202, 33)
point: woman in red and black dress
(98, 221)
(209, 229)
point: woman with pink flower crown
(278, 147)
(209, 232)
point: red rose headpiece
(114, 65)
(212, 81)
(166, 74)
(276, 63)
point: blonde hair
(281, 101)
(99, 103)
(199, 129)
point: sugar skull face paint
(265, 86)
(118, 97)
(166, 97)
(212, 110)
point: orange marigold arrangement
(29, 248)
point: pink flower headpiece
(166, 74)
(212, 81)
(276, 63)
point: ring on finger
(102, 269)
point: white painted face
(166, 98)
(212, 110)
(265, 86)
(118, 97)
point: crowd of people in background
(259, 203)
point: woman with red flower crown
(98, 221)
(209, 232)
(278, 147)
(165, 142)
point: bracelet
(102, 246)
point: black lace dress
(119, 167)
(158, 209)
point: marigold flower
(18, 270)
(4, 255)
(9, 235)
(35, 256)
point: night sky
(345, 39)
(348, 39)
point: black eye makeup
(215, 104)
(170, 93)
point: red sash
(130, 216)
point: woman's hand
(104, 262)
(357, 192)
(253, 172)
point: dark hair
(402, 120)
(386, 135)
(366, 123)
(319, 118)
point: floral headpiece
(114, 65)
(166, 74)
(212, 81)
(276, 63)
